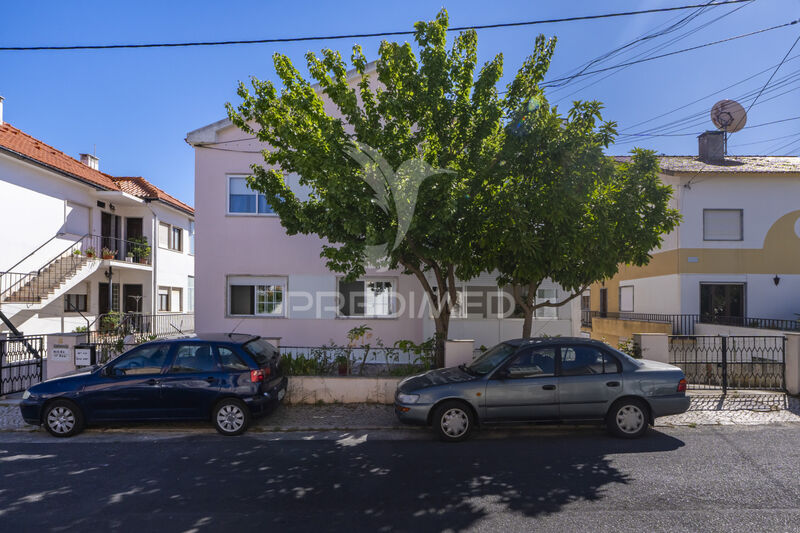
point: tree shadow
(210, 483)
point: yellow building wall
(611, 330)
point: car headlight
(407, 398)
(26, 394)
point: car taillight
(256, 376)
(682, 385)
(268, 371)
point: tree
(422, 134)
(561, 209)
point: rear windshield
(261, 351)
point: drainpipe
(153, 260)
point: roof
(24, 146)
(734, 164)
(141, 188)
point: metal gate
(20, 363)
(738, 362)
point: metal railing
(140, 326)
(36, 285)
(20, 363)
(684, 324)
(739, 362)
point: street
(688, 479)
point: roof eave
(51, 168)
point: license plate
(281, 394)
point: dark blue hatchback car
(227, 378)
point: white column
(457, 352)
(792, 360)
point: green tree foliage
(559, 208)
(429, 115)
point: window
(74, 303)
(261, 351)
(170, 237)
(176, 239)
(722, 224)
(586, 360)
(242, 199)
(190, 294)
(369, 297)
(170, 299)
(163, 235)
(256, 296)
(231, 361)
(626, 299)
(192, 358)
(458, 309)
(546, 295)
(722, 302)
(533, 363)
(586, 301)
(191, 237)
(147, 359)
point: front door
(588, 382)
(133, 230)
(130, 387)
(603, 302)
(110, 232)
(525, 388)
(722, 302)
(191, 385)
(107, 302)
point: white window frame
(255, 282)
(228, 211)
(164, 246)
(170, 294)
(633, 294)
(190, 294)
(366, 280)
(191, 237)
(732, 210)
(546, 312)
(170, 241)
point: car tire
(628, 418)
(453, 421)
(62, 418)
(231, 417)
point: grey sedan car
(544, 380)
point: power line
(773, 73)
(688, 134)
(359, 35)
(553, 83)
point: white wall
(659, 294)
(172, 268)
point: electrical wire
(358, 35)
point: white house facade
(78, 243)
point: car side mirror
(502, 374)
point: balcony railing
(140, 326)
(683, 324)
(101, 247)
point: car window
(193, 358)
(148, 359)
(532, 363)
(586, 360)
(230, 360)
(492, 357)
(261, 351)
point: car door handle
(549, 387)
(612, 384)
(153, 382)
(210, 379)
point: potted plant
(129, 257)
(108, 253)
(91, 253)
(76, 251)
(140, 249)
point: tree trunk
(441, 308)
(527, 324)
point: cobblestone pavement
(716, 409)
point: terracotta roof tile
(19, 142)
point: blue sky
(136, 106)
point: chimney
(1, 110)
(711, 146)
(90, 161)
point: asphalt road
(683, 479)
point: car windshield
(491, 358)
(261, 351)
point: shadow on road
(209, 483)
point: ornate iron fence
(20, 363)
(740, 362)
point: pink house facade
(253, 277)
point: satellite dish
(728, 116)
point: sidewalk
(742, 408)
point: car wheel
(453, 421)
(628, 418)
(63, 418)
(231, 417)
